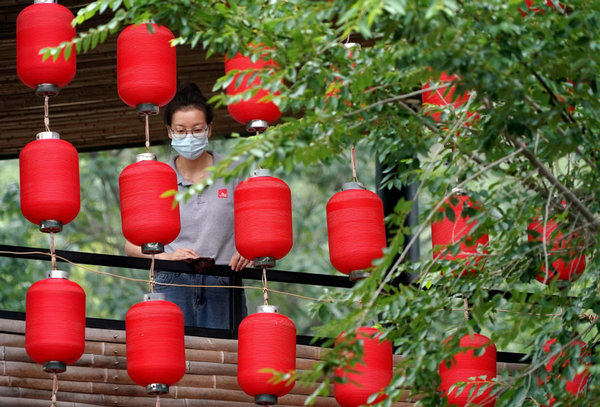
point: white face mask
(190, 147)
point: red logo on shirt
(222, 193)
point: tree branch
(566, 192)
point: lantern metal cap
(57, 274)
(458, 191)
(356, 275)
(264, 262)
(256, 126)
(265, 399)
(147, 109)
(51, 226)
(352, 185)
(261, 172)
(273, 309)
(46, 89)
(154, 297)
(45, 135)
(350, 45)
(153, 248)
(145, 157)
(157, 388)
(54, 366)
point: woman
(206, 218)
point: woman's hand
(182, 253)
(238, 262)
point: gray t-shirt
(207, 225)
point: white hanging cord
(466, 309)
(54, 390)
(157, 400)
(52, 251)
(46, 113)
(147, 131)
(353, 162)
(265, 287)
(152, 281)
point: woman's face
(191, 120)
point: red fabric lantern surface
(263, 218)
(55, 321)
(368, 376)
(446, 232)
(465, 365)
(251, 109)
(443, 97)
(145, 216)
(155, 343)
(566, 260)
(146, 65)
(39, 26)
(355, 229)
(49, 181)
(575, 386)
(266, 340)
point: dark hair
(187, 97)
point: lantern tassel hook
(152, 281)
(54, 390)
(353, 162)
(52, 251)
(46, 113)
(265, 287)
(147, 132)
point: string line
(46, 113)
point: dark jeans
(206, 307)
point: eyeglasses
(197, 133)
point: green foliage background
(523, 155)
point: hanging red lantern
(464, 367)
(253, 112)
(266, 340)
(148, 220)
(443, 97)
(448, 232)
(155, 344)
(355, 230)
(565, 257)
(579, 381)
(55, 322)
(49, 182)
(355, 384)
(42, 25)
(146, 67)
(263, 219)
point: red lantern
(253, 112)
(49, 178)
(55, 322)
(443, 97)
(39, 26)
(477, 371)
(148, 220)
(447, 232)
(566, 260)
(370, 375)
(146, 67)
(355, 230)
(577, 385)
(263, 219)
(155, 344)
(266, 340)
